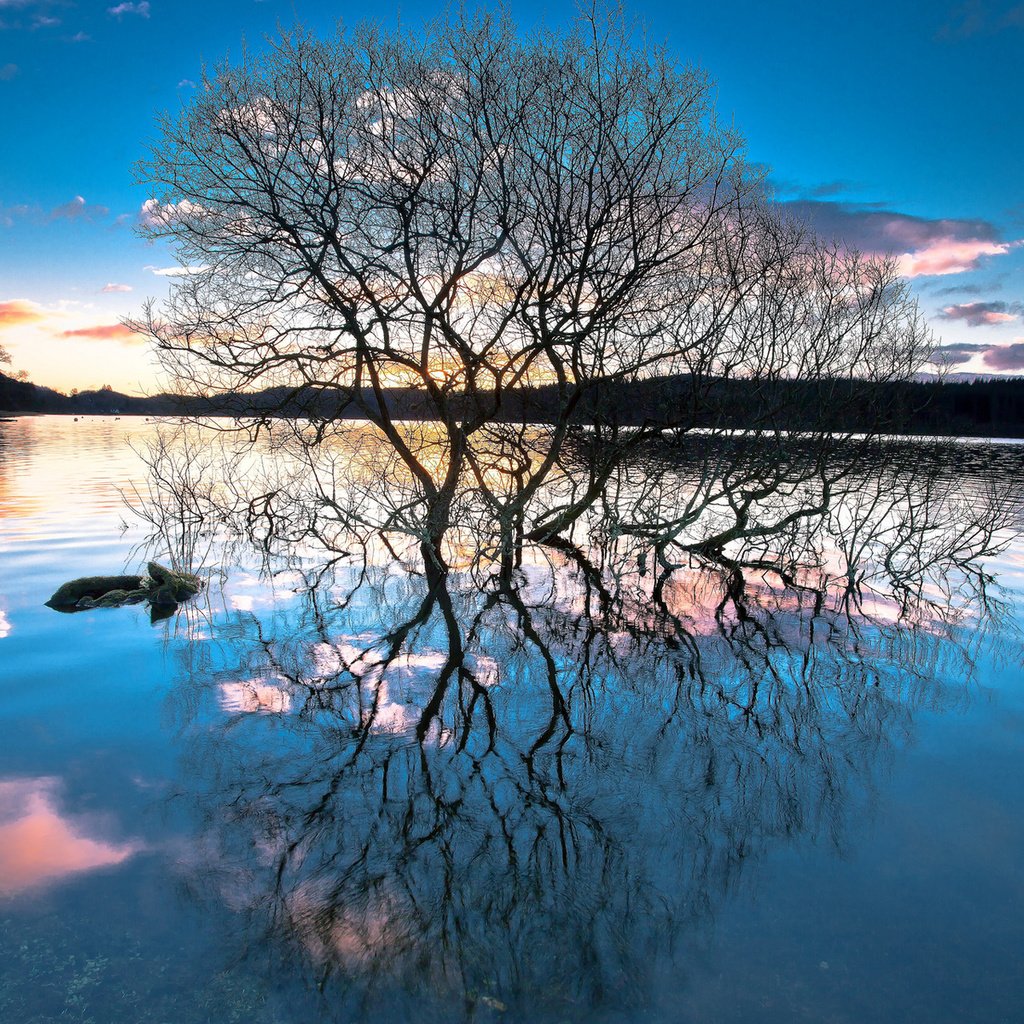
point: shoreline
(10, 416)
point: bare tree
(479, 216)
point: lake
(340, 795)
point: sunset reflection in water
(40, 845)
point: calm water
(231, 815)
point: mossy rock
(163, 596)
(164, 589)
(92, 587)
(180, 585)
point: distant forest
(979, 408)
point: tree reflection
(532, 791)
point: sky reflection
(549, 798)
(40, 845)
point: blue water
(205, 819)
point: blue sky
(898, 126)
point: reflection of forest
(536, 790)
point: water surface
(235, 815)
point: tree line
(978, 408)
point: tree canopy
(472, 211)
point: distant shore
(979, 408)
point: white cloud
(155, 215)
(141, 9)
(114, 287)
(176, 271)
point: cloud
(17, 312)
(78, 209)
(786, 187)
(981, 17)
(105, 332)
(186, 83)
(955, 353)
(960, 289)
(35, 13)
(113, 287)
(156, 216)
(9, 214)
(141, 9)
(924, 246)
(978, 314)
(7, 72)
(967, 19)
(60, 322)
(176, 271)
(1006, 357)
(949, 256)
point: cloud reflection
(254, 696)
(39, 845)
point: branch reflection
(533, 789)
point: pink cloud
(17, 312)
(1006, 357)
(978, 314)
(924, 246)
(105, 332)
(114, 287)
(950, 256)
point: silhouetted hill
(980, 408)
